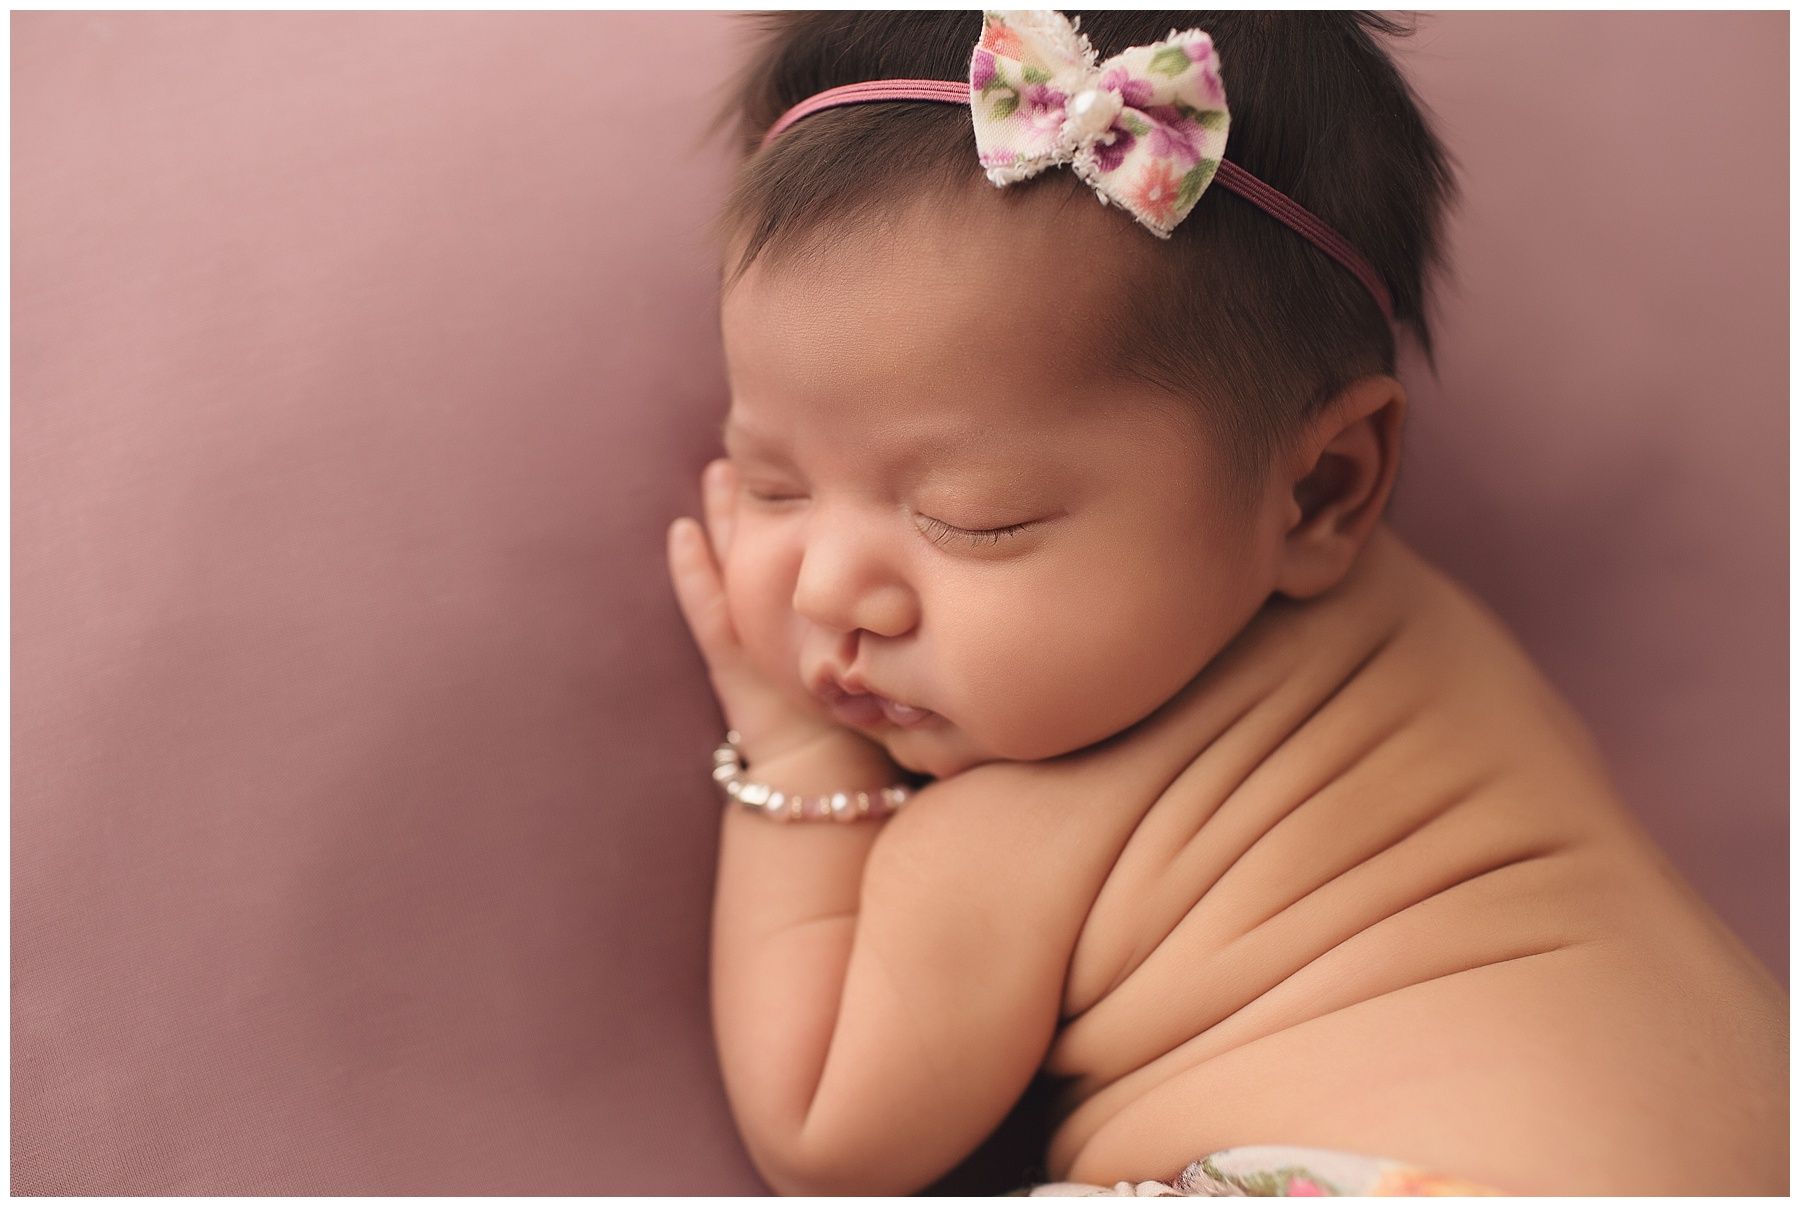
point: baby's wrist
(834, 761)
(821, 780)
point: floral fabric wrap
(1146, 129)
(1278, 1171)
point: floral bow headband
(1145, 129)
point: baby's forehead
(1009, 299)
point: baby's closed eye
(940, 531)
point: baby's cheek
(1016, 690)
(1073, 670)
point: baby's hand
(769, 721)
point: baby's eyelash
(975, 536)
(940, 532)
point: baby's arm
(884, 992)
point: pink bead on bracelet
(728, 771)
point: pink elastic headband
(1146, 129)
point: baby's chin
(923, 756)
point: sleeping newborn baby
(1221, 806)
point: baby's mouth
(904, 715)
(859, 708)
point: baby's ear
(1341, 476)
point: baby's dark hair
(1236, 311)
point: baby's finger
(699, 589)
(718, 493)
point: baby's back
(1371, 889)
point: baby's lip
(903, 715)
(825, 683)
(828, 684)
(852, 694)
(867, 708)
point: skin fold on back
(1371, 889)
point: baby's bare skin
(1367, 887)
(1362, 884)
(1347, 872)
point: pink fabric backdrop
(362, 842)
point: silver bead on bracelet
(728, 771)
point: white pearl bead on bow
(1091, 112)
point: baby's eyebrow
(735, 437)
(935, 446)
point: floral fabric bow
(1146, 129)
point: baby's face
(944, 491)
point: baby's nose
(847, 582)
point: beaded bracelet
(728, 771)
